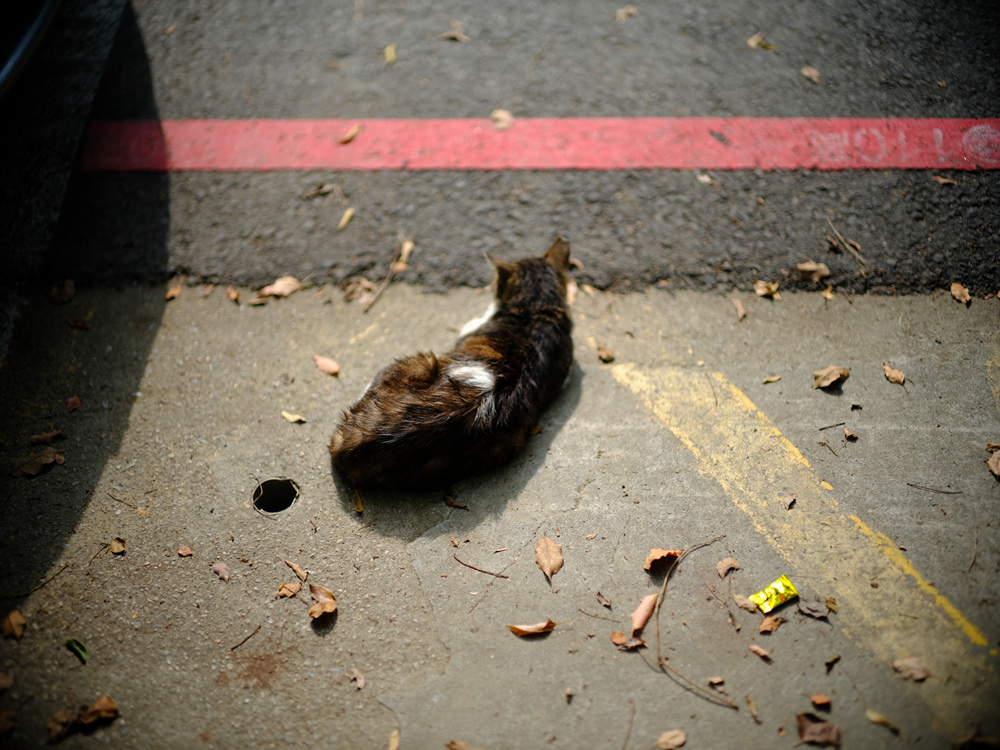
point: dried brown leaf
(117, 546)
(538, 627)
(73, 403)
(829, 375)
(45, 438)
(233, 294)
(389, 53)
(828, 292)
(184, 551)
(453, 503)
(61, 723)
(221, 570)
(892, 375)
(359, 506)
(351, 134)
(625, 643)
(993, 464)
(810, 611)
(603, 600)
(282, 287)
(459, 745)
(548, 557)
(394, 740)
(766, 288)
(876, 718)
(605, 353)
(346, 218)
(103, 709)
(325, 604)
(771, 623)
(659, 556)
(623, 13)
(288, 590)
(960, 293)
(788, 500)
(293, 418)
(812, 271)
(173, 292)
(455, 33)
(744, 603)
(642, 613)
(848, 435)
(752, 705)
(740, 310)
(817, 731)
(942, 180)
(725, 565)
(12, 625)
(327, 365)
(35, 463)
(771, 379)
(671, 740)
(765, 655)
(912, 668)
(302, 575)
(811, 73)
(820, 700)
(358, 679)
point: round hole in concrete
(275, 495)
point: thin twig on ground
(123, 502)
(847, 246)
(388, 277)
(480, 570)
(246, 639)
(932, 489)
(631, 718)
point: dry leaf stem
(975, 549)
(123, 502)
(599, 617)
(29, 593)
(931, 489)
(661, 662)
(829, 426)
(388, 277)
(257, 630)
(850, 248)
(480, 570)
(631, 719)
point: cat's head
(540, 281)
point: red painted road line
(545, 143)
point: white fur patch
(476, 375)
(473, 324)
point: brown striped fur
(426, 421)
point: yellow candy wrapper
(777, 593)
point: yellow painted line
(884, 603)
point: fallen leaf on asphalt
(829, 375)
(817, 731)
(459, 745)
(893, 376)
(603, 600)
(740, 310)
(327, 365)
(8, 720)
(143, 513)
(453, 503)
(297, 570)
(820, 701)
(326, 603)
(184, 551)
(828, 292)
(538, 627)
(725, 565)
(771, 623)
(34, 463)
(993, 464)
(876, 718)
(671, 740)
(625, 643)
(716, 683)
(605, 353)
(548, 557)
(765, 655)
(117, 546)
(288, 590)
(44, 438)
(293, 418)
(771, 379)
(63, 723)
(12, 625)
(346, 218)
(831, 604)
(359, 507)
(788, 500)
(591, 536)
(358, 679)
(389, 53)
(73, 403)
(912, 668)
(173, 292)
(282, 287)
(623, 13)
(766, 289)
(62, 291)
(960, 293)
(657, 556)
(831, 662)
(812, 271)
(815, 612)
(78, 649)
(232, 294)
(394, 740)
(642, 613)
(350, 135)
(358, 289)
(942, 180)
(502, 119)
(811, 73)
(757, 42)
(752, 705)
(455, 33)
(848, 435)
(222, 570)
(744, 603)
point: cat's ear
(504, 271)
(558, 253)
